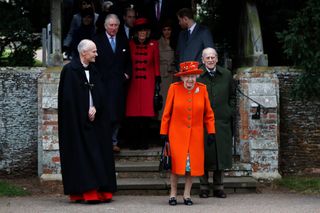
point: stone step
(151, 154)
(138, 155)
(136, 169)
(162, 185)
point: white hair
(84, 45)
(111, 16)
(209, 50)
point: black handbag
(157, 99)
(165, 158)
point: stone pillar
(48, 143)
(259, 136)
(251, 51)
(55, 58)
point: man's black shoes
(219, 194)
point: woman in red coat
(145, 76)
(186, 112)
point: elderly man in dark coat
(114, 65)
(87, 164)
(218, 156)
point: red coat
(184, 116)
(145, 67)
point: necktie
(113, 44)
(158, 10)
(188, 34)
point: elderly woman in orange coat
(186, 112)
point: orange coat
(184, 115)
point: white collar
(192, 27)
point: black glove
(157, 87)
(164, 138)
(158, 79)
(211, 139)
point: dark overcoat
(221, 94)
(112, 66)
(189, 48)
(85, 147)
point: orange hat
(189, 68)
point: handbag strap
(167, 151)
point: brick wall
(258, 138)
(49, 160)
(299, 130)
(18, 121)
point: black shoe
(172, 201)
(204, 194)
(219, 194)
(187, 201)
(93, 202)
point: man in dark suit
(192, 39)
(157, 12)
(129, 17)
(114, 65)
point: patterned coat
(145, 68)
(184, 116)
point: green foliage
(17, 35)
(7, 189)
(309, 185)
(301, 44)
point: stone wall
(299, 130)
(18, 121)
(24, 143)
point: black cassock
(86, 154)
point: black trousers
(138, 129)
(218, 176)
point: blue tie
(113, 44)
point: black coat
(112, 67)
(85, 147)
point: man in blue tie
(114, 65)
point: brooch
(197, 90)
(123, 50)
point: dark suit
(112, 66)
(167, 11)
(190, 49)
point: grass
(306, 185)
(7, 189)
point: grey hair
(111, 16)
(84, 45)
(209, 50)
